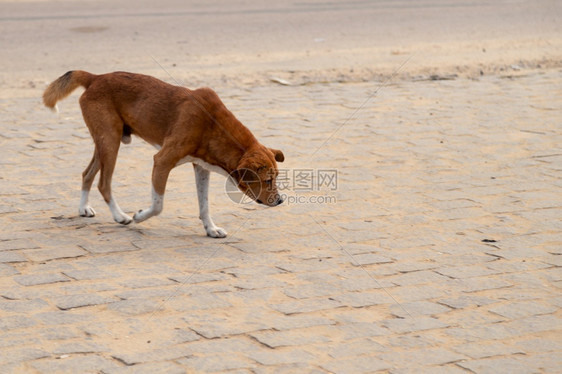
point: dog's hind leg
(107, 129)
(108, 158)
(202, 181)
(88, 176)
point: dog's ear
(279, 157)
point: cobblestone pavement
(437, 251)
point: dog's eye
(269, 182)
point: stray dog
(184, 125)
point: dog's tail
(64, 86)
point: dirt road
(247, 42)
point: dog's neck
(231, 141)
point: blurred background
(249, 42)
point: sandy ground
(439, 253)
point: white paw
(142, 215)
(87, 211)
(118, 215)
(123, 219)
(216, 232)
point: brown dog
(184, 125)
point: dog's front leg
(154, 210)
(202, 181)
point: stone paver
(434, 275)
(440, 251)
(430, 276)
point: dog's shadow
(97, 237)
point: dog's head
(256, 175)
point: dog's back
(146, 105)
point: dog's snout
(272, 200)
(276, 200)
